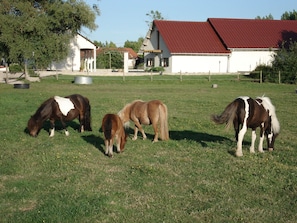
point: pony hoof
(238, 154)
(270, 149)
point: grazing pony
(146, 113)
(62, 109)
(249, 113)
(113, 128)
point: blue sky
(122, 20)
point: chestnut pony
(61, 109)
(147, 113)
(113, 128)
(249, 113)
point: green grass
(193, 177)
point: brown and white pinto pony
(62, 109)
(113, 128)
(246, 112)
(147, 113)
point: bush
(155, 69)
(15, 68)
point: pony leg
(52, 132)
(260, 147)
(106, 146)
(240, 139)
(155, 126)
(66, 132)
(110, 154)
(135, 133)
(254, 136)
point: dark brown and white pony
(147, 113)
(245, 112)
(62, 109)
(113, 128)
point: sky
(122, 20)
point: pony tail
(88, 118)
(227, 116)
(164, 134)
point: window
(165, 62)
(150, 62)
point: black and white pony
(246, 112)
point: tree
(268, 17)
(135, 45)
(41, 28)
(285, 60)
(153, 15)
(289, 15)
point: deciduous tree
(42, 28)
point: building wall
(199, 63)
(74, 61)
(248, 60)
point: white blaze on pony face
(65, 104)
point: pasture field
(193, 177)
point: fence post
(261, 76)
(279, 77)
(151, 76)
(180, 76)
(208, 76)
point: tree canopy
(42, 28)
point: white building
(82, 56)
(216, 46)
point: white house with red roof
(216, 46)
(81, 57)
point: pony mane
(266, 102)
(120, 113)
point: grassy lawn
(193, 177)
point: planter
(83, 80)
(21, 86)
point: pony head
(33, 126)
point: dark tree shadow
(287, 38)
(199, 137)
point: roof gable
(189, 37)
(254, 33)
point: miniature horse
(62, 109)
(249, 113)
(113, 127)
(146, 113)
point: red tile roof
(219, 35)
(189, 37)
(254, 33)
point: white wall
(249, 60)
(73, 61)
(199, 64)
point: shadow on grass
(58, 126)
(96, 141)
(199, 137)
